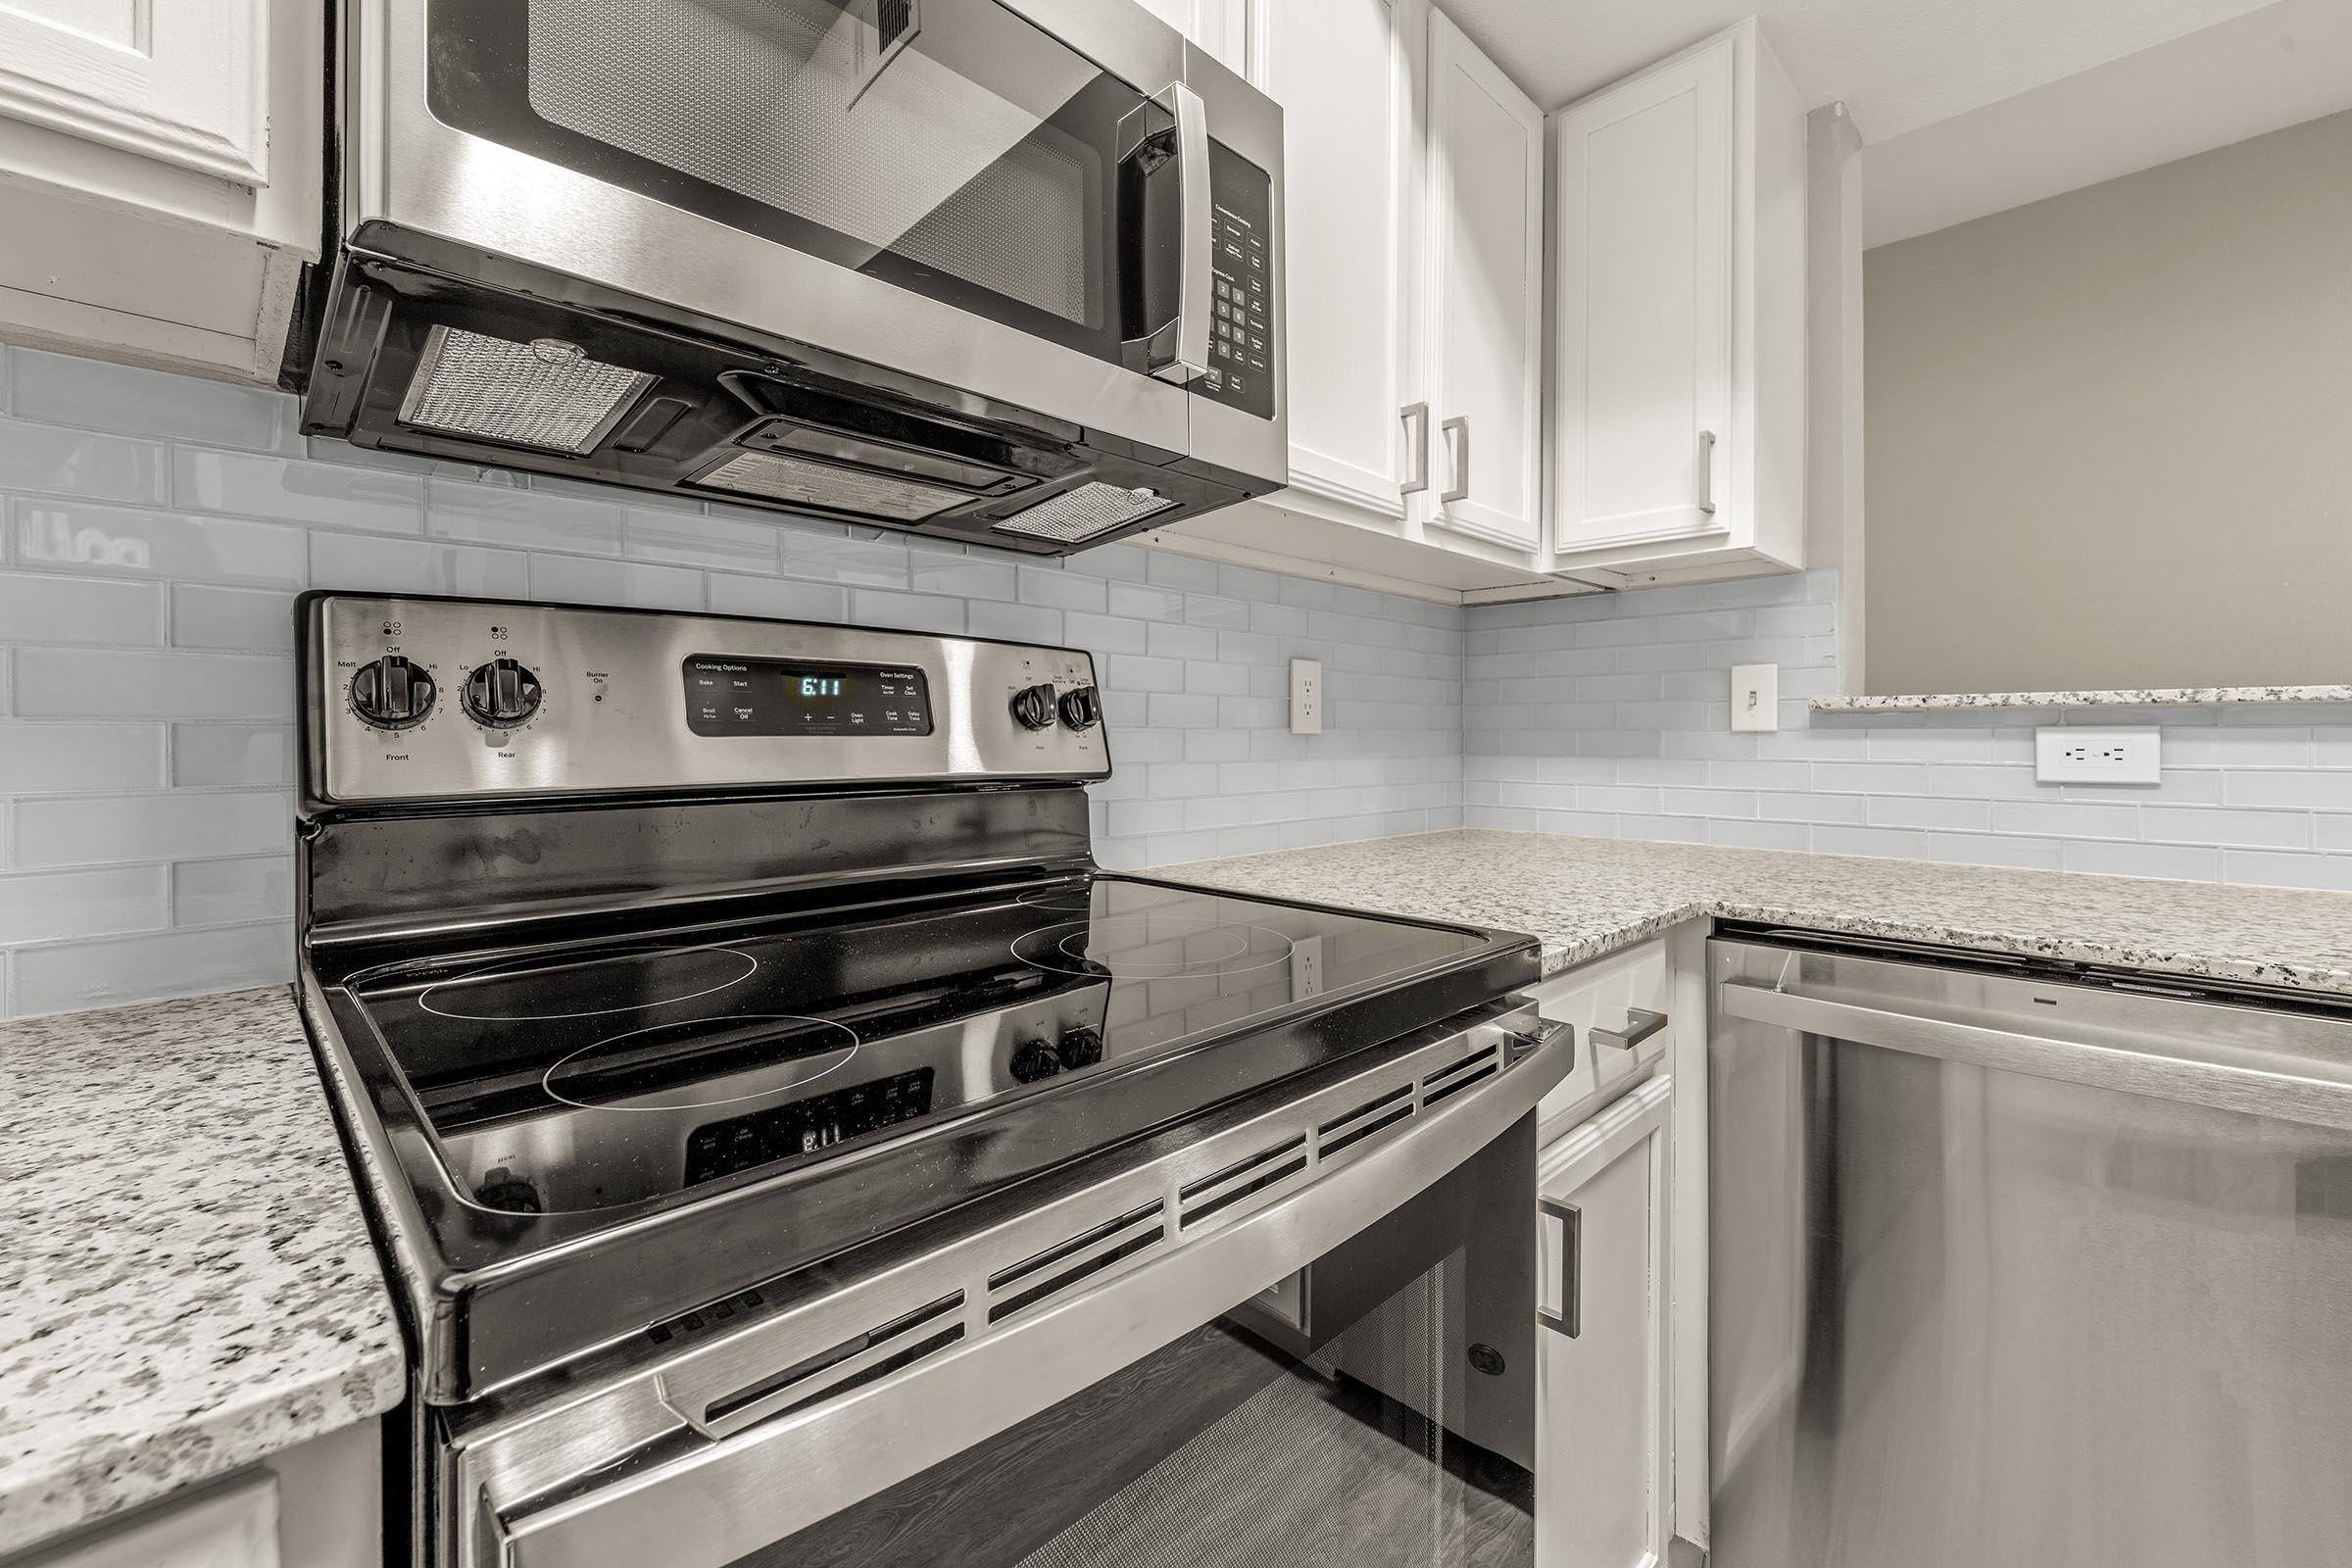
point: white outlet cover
(1755, 697)
(1306, 696)
(2068, 754)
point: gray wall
(2111, 432)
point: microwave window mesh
(779, 101)
(775, 476)
(517, 394)
(1082, 514)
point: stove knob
(391, 693)
(1082, 707)
(1033, 1059)
(502, 694)
(1080, 1047)
(1033, 706)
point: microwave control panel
(1241, 344)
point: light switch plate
(2075, 755)
(1755, 697)
(1306, 696)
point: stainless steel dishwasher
(2024, 1264)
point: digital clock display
(731, 696)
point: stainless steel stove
(791, 1148)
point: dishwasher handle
(2259, 1090)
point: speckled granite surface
(186, 1283)
(1585, 897)
(2146, 696)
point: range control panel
(408, 699)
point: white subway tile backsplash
(99, 830)
(367, 564)
(2240, 798)
(779, 598)
(255, 618)
(95, 395)
(106, 683)
(232, 892)
(296, 490)
(698, 539)
(229, 755)
(54, 905)
(521, 518)
(174, 963)
(75, 536)
(86, 465)
(54, 758)
(81, 609)
(577, 580)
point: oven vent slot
(1479, 1064)
(1367, 1120)
(1058, 1267)
(1211, 1194)
(852, 1363)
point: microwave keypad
(1241, 348)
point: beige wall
(2110, 434)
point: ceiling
(1899, 63)
(2280, 66)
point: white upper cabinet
(1678, 415)
(1486, 278)
(1346, 74)
(160, 172)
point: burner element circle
(1077, 900)
(1153, 946)
(587, 985)
(696, 1063)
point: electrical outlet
(1306, 969)
(1755, 697)
(2066, 755)
(1306, 696)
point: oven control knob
(502, 694)
(1033, 1059)
(1033, 706)
(1081, 707)
(391, 693)
(1080, 1047)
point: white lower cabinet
(1603, 1495)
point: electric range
(735, 1038)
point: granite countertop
(1587, 897)
(186, 1281)
(2141, 697)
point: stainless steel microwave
(1006, 271)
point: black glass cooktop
(589, 1076)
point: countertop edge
(2143, 697)
(275, 1280)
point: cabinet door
(1485, 269)
(1644, 303)
(1601, 1466)
(1343, 72)
(182, 82)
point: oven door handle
(1178, 349)
(711, 1503)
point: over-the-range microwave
(999, 270)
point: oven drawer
(1612, 997)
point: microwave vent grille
(797, 481)
(1079, 514)
(545, 393)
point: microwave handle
(1178, 350)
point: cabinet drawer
(1603, 994)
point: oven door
(1006, 197)
(1345, 1375)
